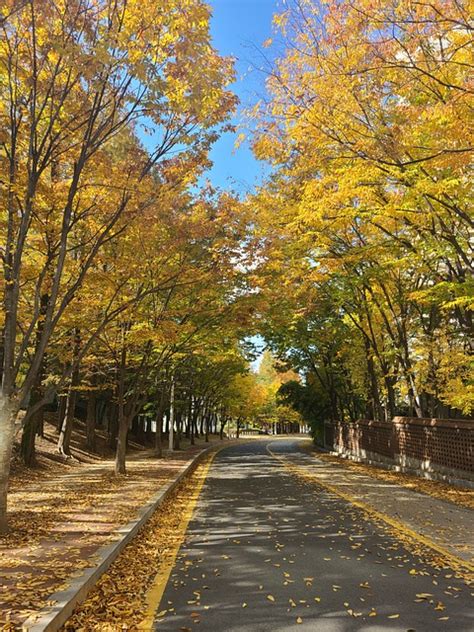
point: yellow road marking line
(155, 593)
(455, 562)
(160, 581)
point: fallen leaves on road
(437, 489)
(60, 516)
(118, 600)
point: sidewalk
(59, 521)
(447, 525)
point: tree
(365, 219)
(76, 81)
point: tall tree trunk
(374, 396)
(203, 421)
(171, 418)
(177, 434)
(158, 434)
(159, 424)
(391, 404)
(28, 437)
(224, 420)
(120, 454)
(91, 421)
(35, 421)
(193, 418)
(113, 426)
(7, 428)
(64, 440)
(62, 402)
(66, 429)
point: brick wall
(431, 444)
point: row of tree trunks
(193, 417)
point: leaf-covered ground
(118, 602)
(60, 514)
(437, 489)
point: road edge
(51, 618)
(158, 585)
(458, 564)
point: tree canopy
(131, 286)
(367, 216)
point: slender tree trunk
(66, 429)
(64, 440)
(171, 418)
(62, 402)
(158, 434)
(203, 421)
(113, 426)
(177, 434)
(91, 421)
(159, 425)
(391, 405)
(28, 437)
(34, 425)
(7, 429)
(121, 451)
(223, 423)
(190, 419)
(196, 416)
(374, 397)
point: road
(267, 550)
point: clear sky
(239, 28)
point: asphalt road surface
(268, 551)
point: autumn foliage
(129, 284)
(120, 268)
(367, 216)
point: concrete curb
(51, 618)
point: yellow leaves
(362, 165)
(280, 19)
(112, 602)
(240, 139)
(271, 598)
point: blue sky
(239, 28)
